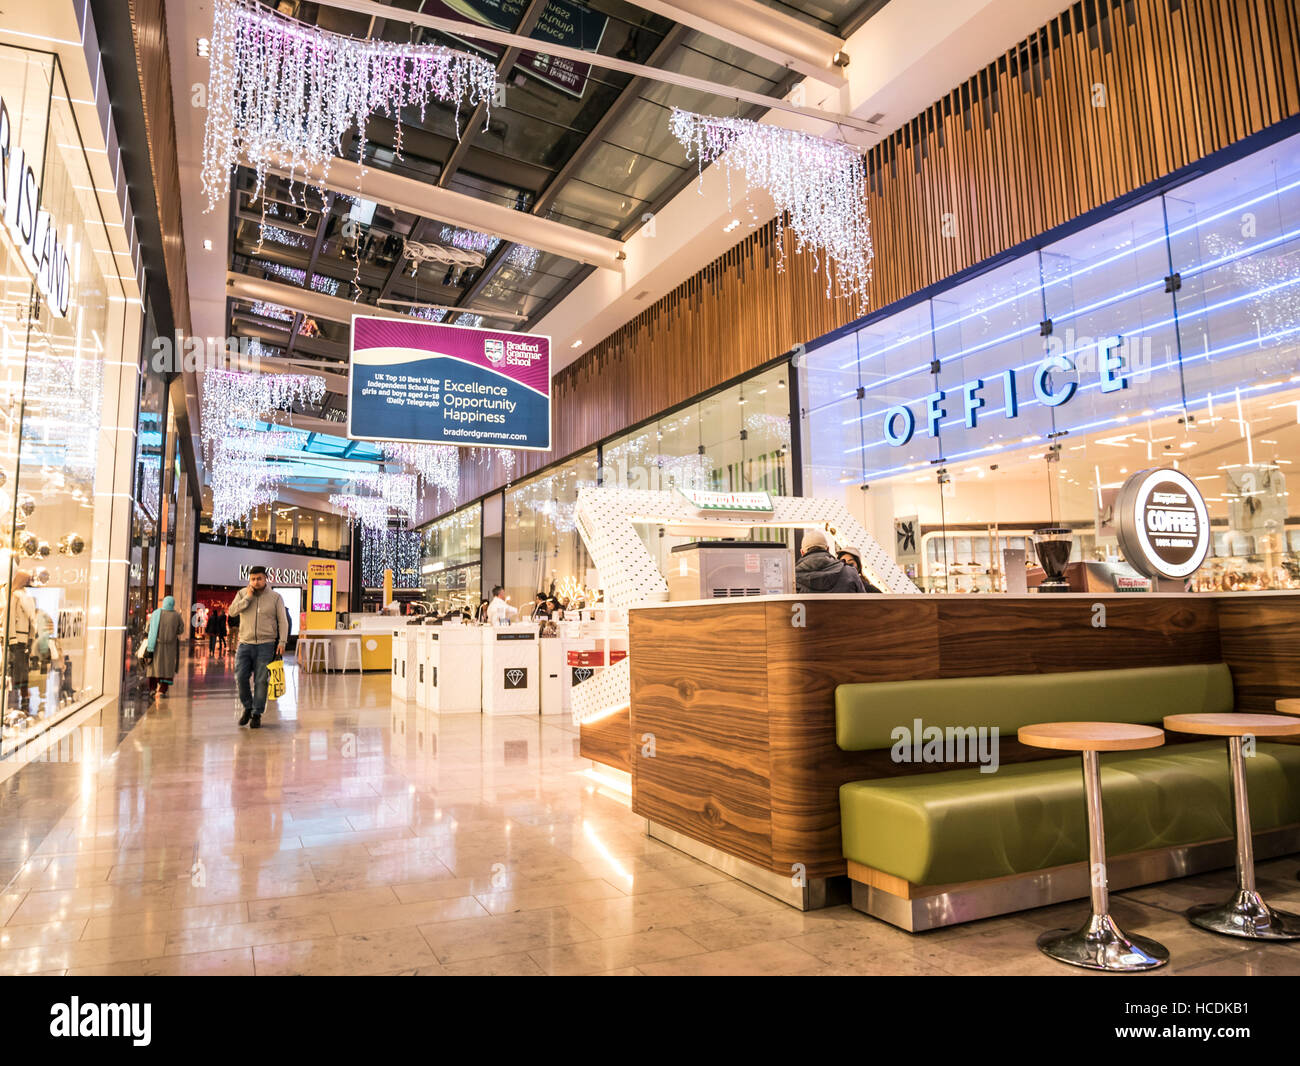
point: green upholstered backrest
(866, 714)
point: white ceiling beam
(423, 200)
(309, 302)
(577, 55)
(761, 31)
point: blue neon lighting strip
(1043, 287)
(1172, 319)
(1111, 420)
(1088, 309)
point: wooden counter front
(739, 698)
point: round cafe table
(1245, 914)
(1098, 944)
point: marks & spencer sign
(1163, 524)
(34, 232)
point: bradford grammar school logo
(495, 350)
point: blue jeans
(251, 661)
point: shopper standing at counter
(852, 556)
(819, 571)
(499, 611)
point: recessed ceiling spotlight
(731, 225)
(207, 244)
(203, 47)
(576, 344)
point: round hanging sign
(1163, 524)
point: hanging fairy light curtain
(370, 512)
(398, 550)
(282, 93)
(238, 455)
(397, 491)
(437, 465)
(819, 184)
(233, 400)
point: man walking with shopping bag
(263, 631)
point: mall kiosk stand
(453, 670)
(511, 669)
(404, 674)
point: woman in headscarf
(163, 647)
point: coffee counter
(742, 769)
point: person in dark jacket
(217, 630)
(853, 557)
(819, 571)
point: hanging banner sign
(33, 231)
(561, 22)
(427, 383)
(1164, 526)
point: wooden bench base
(917, 908)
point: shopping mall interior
(843, 447)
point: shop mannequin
(22, 630)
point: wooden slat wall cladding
(1106, 98)
(149, 28)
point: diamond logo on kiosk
(516, 677)
(1163, 524)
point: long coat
(167, 648)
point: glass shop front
(1164, 335)
(64, 324)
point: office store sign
(1055, 382)
(1162, 523)
(33, 230)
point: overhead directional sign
(428, 383)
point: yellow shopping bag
(275, 679)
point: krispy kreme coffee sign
(1163, 524)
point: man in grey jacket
(263, 631)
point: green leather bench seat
(865, 715)
(961, 825)
(950, 826)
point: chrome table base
(1246, 915)
(1100, 945)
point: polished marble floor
(353, 835)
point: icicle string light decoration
(397, 491)
(232, 399)
(434, 464)
(283, 93)
(370, 511)
(242, 478)
(241, 483)
(819, 184)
